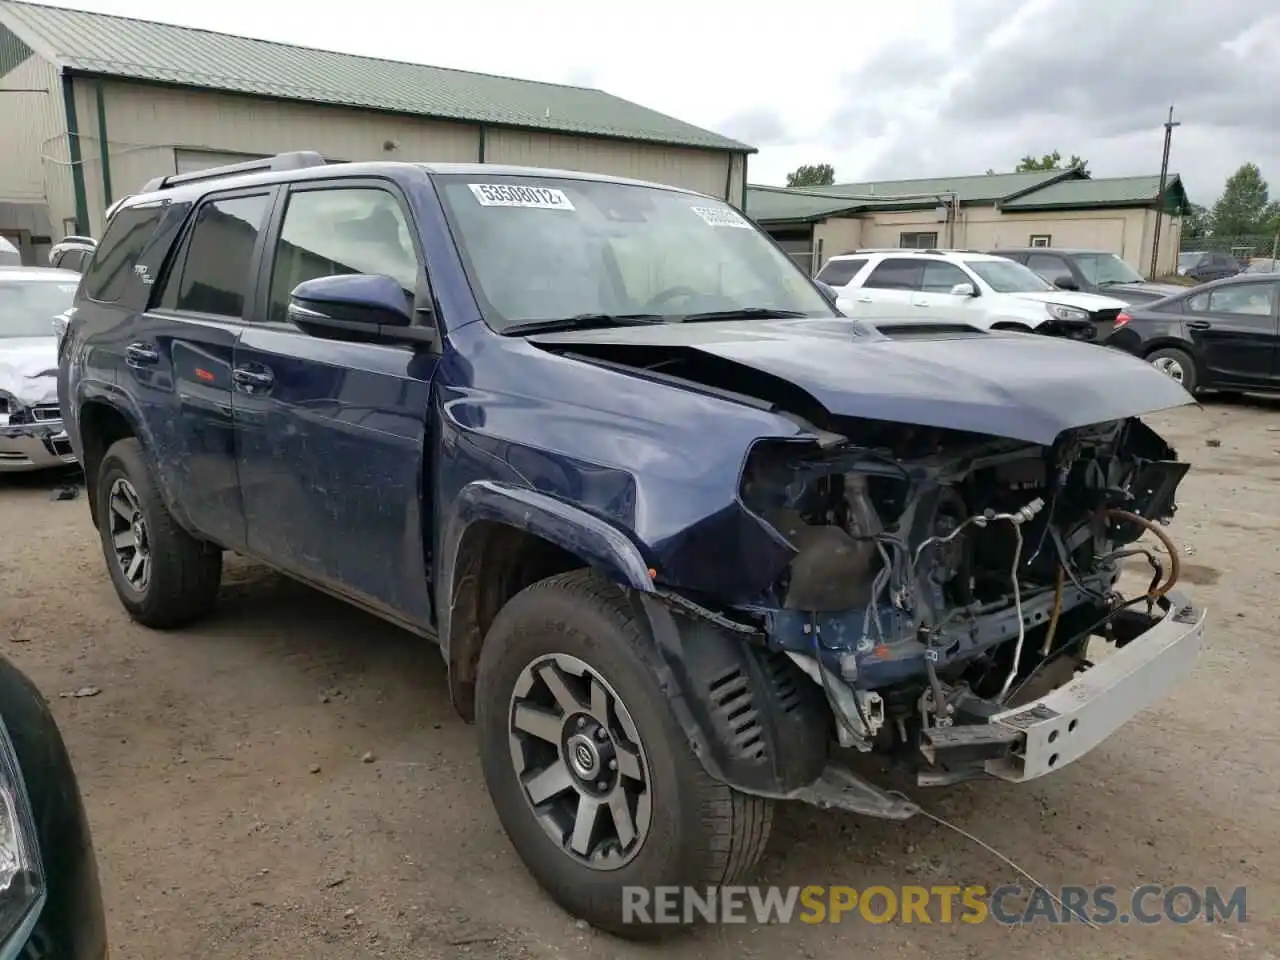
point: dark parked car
(50, 901)
(677, 526)
(1089, 271)
(1223, 335)
(1205, 265)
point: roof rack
(76, 238)
(297, 160)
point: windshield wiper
(582, 321)
(743, 313)
(1112, 283)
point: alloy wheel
(129, 538)
(1170, 367)
(580, 762)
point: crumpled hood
(29, 369)
(1020, 386)
(1072, 298)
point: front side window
(339, 231)
(1102, 269)
(941, 277)
(547, 248)
(215, 276)
(1050, 268)
(27, 307)
(1005, 276)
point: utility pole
(1164, 176)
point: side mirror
(356, 306)
(1066, 283)
(828, 292)
(964, 290)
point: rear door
(1234, 330)
(179, 357)
(331, 433)
(887, 291)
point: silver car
(31, 433)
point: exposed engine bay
(940, 577)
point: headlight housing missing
(22, 885)
(1066, 314)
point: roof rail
(297, 160)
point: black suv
(1089, 271)
(678, 527)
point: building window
(1041, 240)
(918, 241)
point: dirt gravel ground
(288, 781)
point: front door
(331, 434)
(936, 299)
(1234, 330)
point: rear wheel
(163, 576)
(591, 776)
(1176, 364)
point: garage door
(189, 161)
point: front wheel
(592, 778)
(163, 576)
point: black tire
(185, 573)
(701, 833)
(1184, 361)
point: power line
(1164, 176)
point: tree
(1051, 161)
(812, 175)
(1245, 207)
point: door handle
(865, 300)
(1198, 324)
(253, 379)
(141, 355)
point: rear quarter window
(126, 240)
(837, 273)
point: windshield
(27, 307)
(549, 248)
(1101, 269)
(1005, 276)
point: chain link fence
(1240, 247)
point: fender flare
(108, 395)
(600, 544)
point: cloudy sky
(879, 90)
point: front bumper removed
(1046, 734)
(1068, 722)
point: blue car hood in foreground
(1027, 387)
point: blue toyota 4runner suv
(681, 531)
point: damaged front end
(943, 584)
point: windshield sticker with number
(721, 217)
(518, 195)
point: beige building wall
(837, 236)
(145, 124)
(34, 162)
(1126, 232)
(707, 171)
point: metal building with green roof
(92, 106)
(1042, 208)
